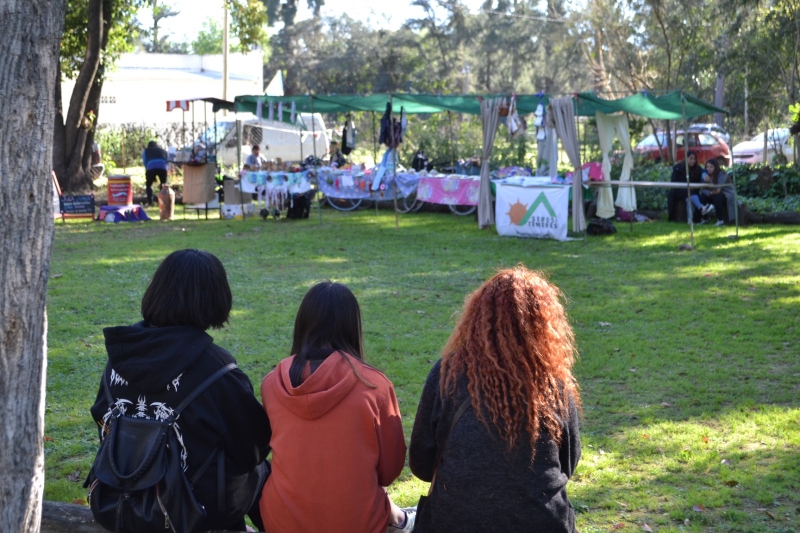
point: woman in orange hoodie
(337, 437)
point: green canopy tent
(674, 105)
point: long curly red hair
(516, 347)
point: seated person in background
(336, 155)
(722, 198)
(254, 161)
(155, 160)
(676, 196)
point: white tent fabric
(564, 114)
(548, 149)
(605, 133)
(490, 117)
(607, 127)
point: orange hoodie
(335, 444)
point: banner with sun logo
(532, 211)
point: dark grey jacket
(481, 486)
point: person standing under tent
(254, 161)
(155, 160)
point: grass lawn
(689, 360)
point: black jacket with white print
(151, 370)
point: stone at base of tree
(60, 517)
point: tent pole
(374, 142)
(314, 144)
(452, 148)
(689, 213)
(394, 170)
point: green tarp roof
(670, 106)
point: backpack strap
(203, 386)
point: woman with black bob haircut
(337, 436)
(155, 364)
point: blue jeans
(691, 204)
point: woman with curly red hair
(497, 425)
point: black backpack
(137, 482)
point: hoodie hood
(321, 391)
(150, 358)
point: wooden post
(124, 165)
(686, 167)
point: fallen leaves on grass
(56, 275)
(698, 508)
(770, 515)
(604, 324)
(645, 527)
(660, 450)
(665, 404)
(732, 483)
(705, 439)
(761, 509)
(623, 504)
(686, 522)
(725, 462)
(74, 477)
(632, 369)
(48, 439)
(645, 436)
(80, 501)
(618, 525)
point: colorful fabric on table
(452, 190)
(121, 213)
(349, 185)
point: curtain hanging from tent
(563, 110)
(490, 118)
(607, 127)
(605, 134)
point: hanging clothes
(386, 123)
(516, 124)
(348, 135)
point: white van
(276, 139)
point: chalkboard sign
(76, 205)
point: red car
(705, 145)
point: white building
(138, 88)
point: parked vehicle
(705, 145)
(713, 129)
(779, 148)
(276, 139)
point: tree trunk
(73, 166)
(31, 32)
(77, 103)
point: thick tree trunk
(77, 103)
(31, 31)
(73, 165)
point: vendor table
(354, 185)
